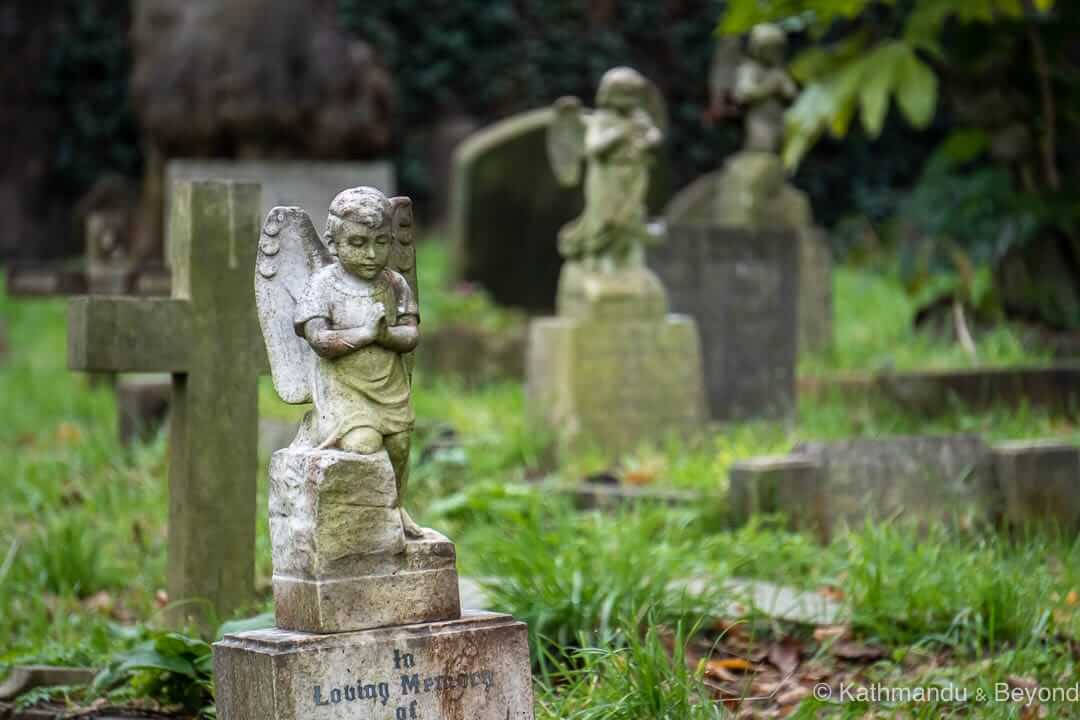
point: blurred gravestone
(926, 479)
(507, 207)
(752, 191)
(741, 285)
(283, 182)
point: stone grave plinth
(956, 479)
(367, 603)
(474, 667)
(341, 559)
(741, 286)
(614, 368)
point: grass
(82, 534)
(873, 331)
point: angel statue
(758, 82)
(341, 321)
(618, 140)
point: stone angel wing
(566, 140)
(403, 252)
(290, 251)
(727, 56)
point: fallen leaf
(830, 632)
(100, 602)
(793, 696)
(850, 650)
(640, 476)
(1020, 681)
(784, 655)
(67, 432)
(831, 592)
(728, 664)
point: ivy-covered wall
(491, 58)
(64, 116)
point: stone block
(341, 558)
(925, 479)
(787, 484)
(1039, 483)
(613, 385)
(472, 668)
(741, 286)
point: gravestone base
(342, 561)
(473, 668)
(613, 370)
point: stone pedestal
(614, 369)
(473, 668)
(341, 559)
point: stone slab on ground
(741, 286)
(957, 479)
(474, 668)
(948, 477)
(1039, 483)
(1055, 389)
(743, 597)
(26, 677)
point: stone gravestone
(206, 337)
(366, 602)
(285, 182)
(613, 368)
(506, 207)
(740, 285)
(752, 189)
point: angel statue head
(621, 88)
(768, 43)
(358, 231)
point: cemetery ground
(617, 629)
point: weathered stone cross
(206, 335)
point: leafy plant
(639, 677)
(866, 61)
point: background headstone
(741, 286)
(507, 207)
(752, 191)
(306, 184)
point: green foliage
(171, 668)
(904, 586)
(638, 680)
(869, 62)
(578, 579)
(491, 59)
(86, 80)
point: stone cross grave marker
(206, 336)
